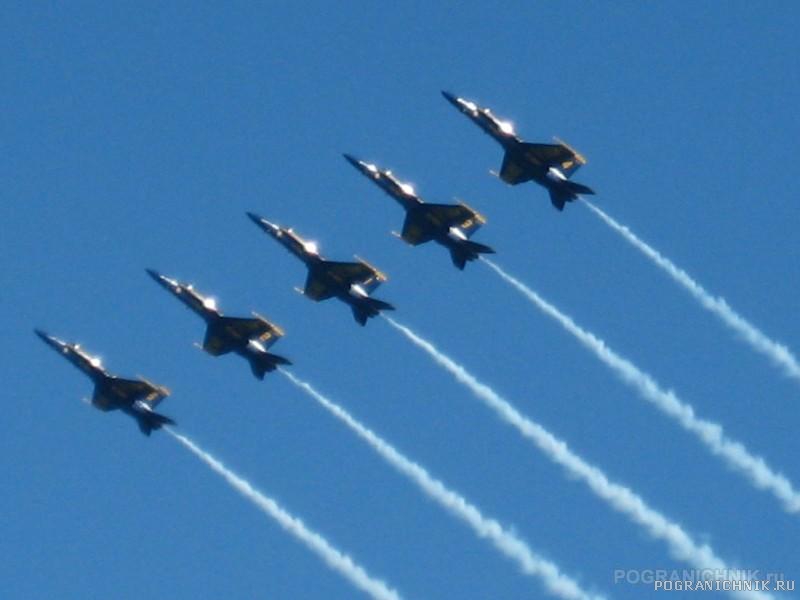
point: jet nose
(451, 98)
(257, 220)
(163, 281)
(367, 169)
(263, 223)
(42, 335)
(352, 160)
(49, 340)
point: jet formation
(249, 337)
(135, 397)
(450, 225)
(549, 165)
(350, 282)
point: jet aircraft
(450, 225)
(135, 397)
(350, 282)
(248, 337)
(549, 165)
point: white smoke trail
(505, 541)
(778, 353)
(335, 559)
(620, 498)
(709, 433)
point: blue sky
(138, 135)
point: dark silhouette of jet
(450, 225)
(248, 337)
(549, 165)
(135, 397)
(350, 282)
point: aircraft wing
(100, 399)
(350, 272)
(512, 172)
(569, 166)
(414, 232)
(229, 333)
(271, 333)
(549, 154)
(344, 274)
(417, 227)
(140, 389)
(317, 288)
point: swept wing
(229, 333)
(331, 278)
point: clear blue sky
(138, 135)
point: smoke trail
(709, 433)
(335, 559)
(776, 352)
(620, 498)
(505, 541)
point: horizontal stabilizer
(378, 304)
(149, 421)
(264, 362)
(467, 251)
(368, 307)
(577, 188)
(559, 198)
(478, 248)
(567, 191)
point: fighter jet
(549, 165)
(350, 282)
(447, 224)
(248, 337)
(135, 397)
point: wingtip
(578, 156)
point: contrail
(709, 433)
(778, 353)
(620, 498)
(505, 541)
(335, 559)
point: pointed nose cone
(364, 168)
(270, 228)
(163, 281)
(254, 218)
(49, 340)
(451, 98)
(352, 160)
